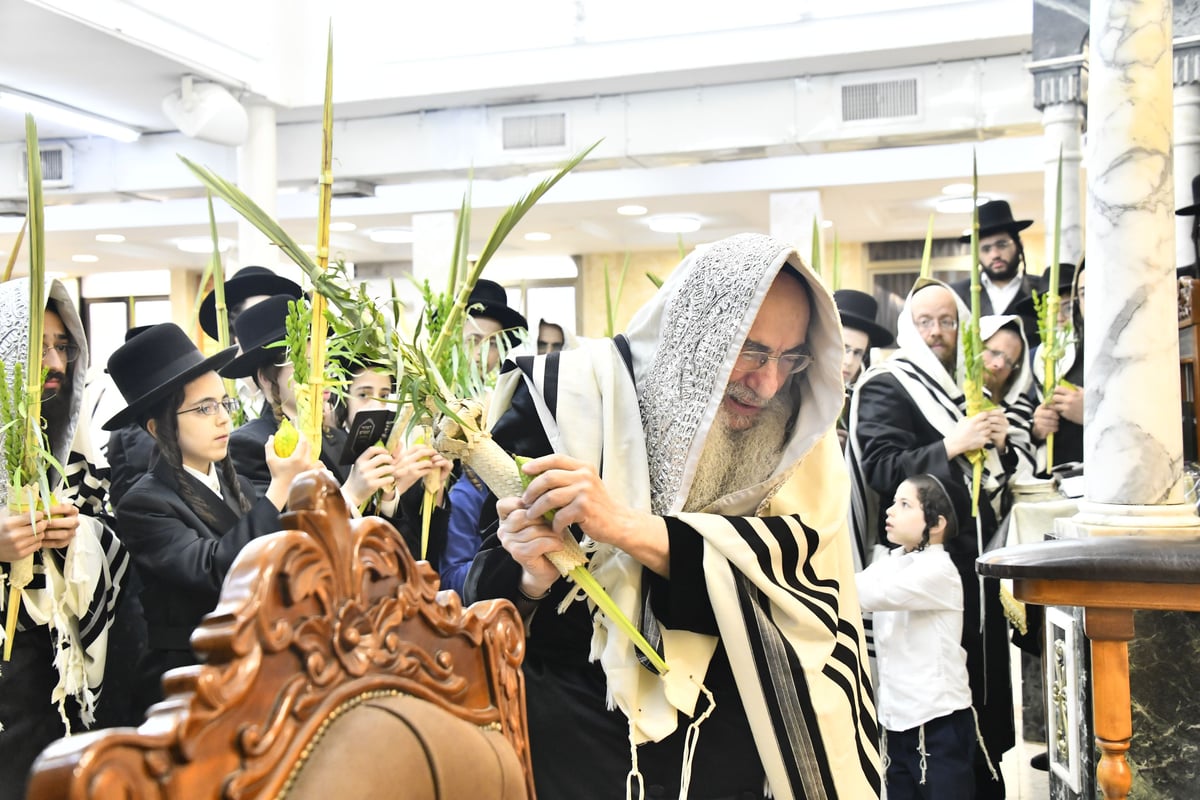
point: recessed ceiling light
(957, 205)
(537, 236)
(112, 238)
(202, 244)
(674, 223)
(308, 248)
(631, 211)
(391, 235)
(826, 223)
(342, 227)
(472, 257)
(956, 189)
(85, 258)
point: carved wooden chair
(333, 668)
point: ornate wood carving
(309, 618)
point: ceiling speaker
(207, 111)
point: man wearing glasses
(696, 458)
(908, 417)
(1002, 265)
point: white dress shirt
(1000, 296)
(210, 480)
(918, 603)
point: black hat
(1190, 211)
(996, 216)
(149, 365)
(858, 310)
(246, 282)
(258, 326)
(1066, 279)
(489, 299)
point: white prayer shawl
(74, 596)
(781, 587)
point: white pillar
(1132, 444)
(1063, 125)
(791, 219)
(1187, 165)
(258, 171)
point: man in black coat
(1002, 264)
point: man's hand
(997, 427)
(575, 492)
(1068, 403)
(528, 538)
(970, 433)
(62, 525)
(18, 537)
(1045, 422)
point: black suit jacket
(182, 559)
(129, 454)
(247, 443)
(1028, 318)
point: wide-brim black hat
(258, 326)
(490, 300)
(246, 282)
(1190, 211)
(857, 310)
(1066, 280)
(152, 364)
(995, 216)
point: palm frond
(12, 258)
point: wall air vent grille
(56, 167)
(915, 249)
(880, 100)
(529, 131)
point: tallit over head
(684, 343)
(14, 349)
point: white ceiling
(64, 51)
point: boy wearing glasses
(697, 458)
(1001, 262)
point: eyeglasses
(67, 352)
(996, 354)
(999, 246)
(790, 363)
(209, 407)
(945, 323)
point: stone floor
(1022, 781)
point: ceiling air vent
(534, 130)
(56, 167)
(880, 100)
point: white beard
(735, 460)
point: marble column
(1187, 145)
(791, 220)
(1132, 447)
(1063, 126)
(257, 165)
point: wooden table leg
(1110, 631)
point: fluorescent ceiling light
(342, 227)
(202, 244)
(111, 238)
(391, 235)
(674, 223)
(631, 211)
(537, 236)
(957, 189)
(85, 258)
(51, 112)
(957, 205)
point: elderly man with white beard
(718, 524)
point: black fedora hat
(996, 216)
(1066, 279)
(153, 363)
(1190, 211)
(258, 326)
(858, 310)
(246, 282)
(488, 299)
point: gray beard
(736, 460)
